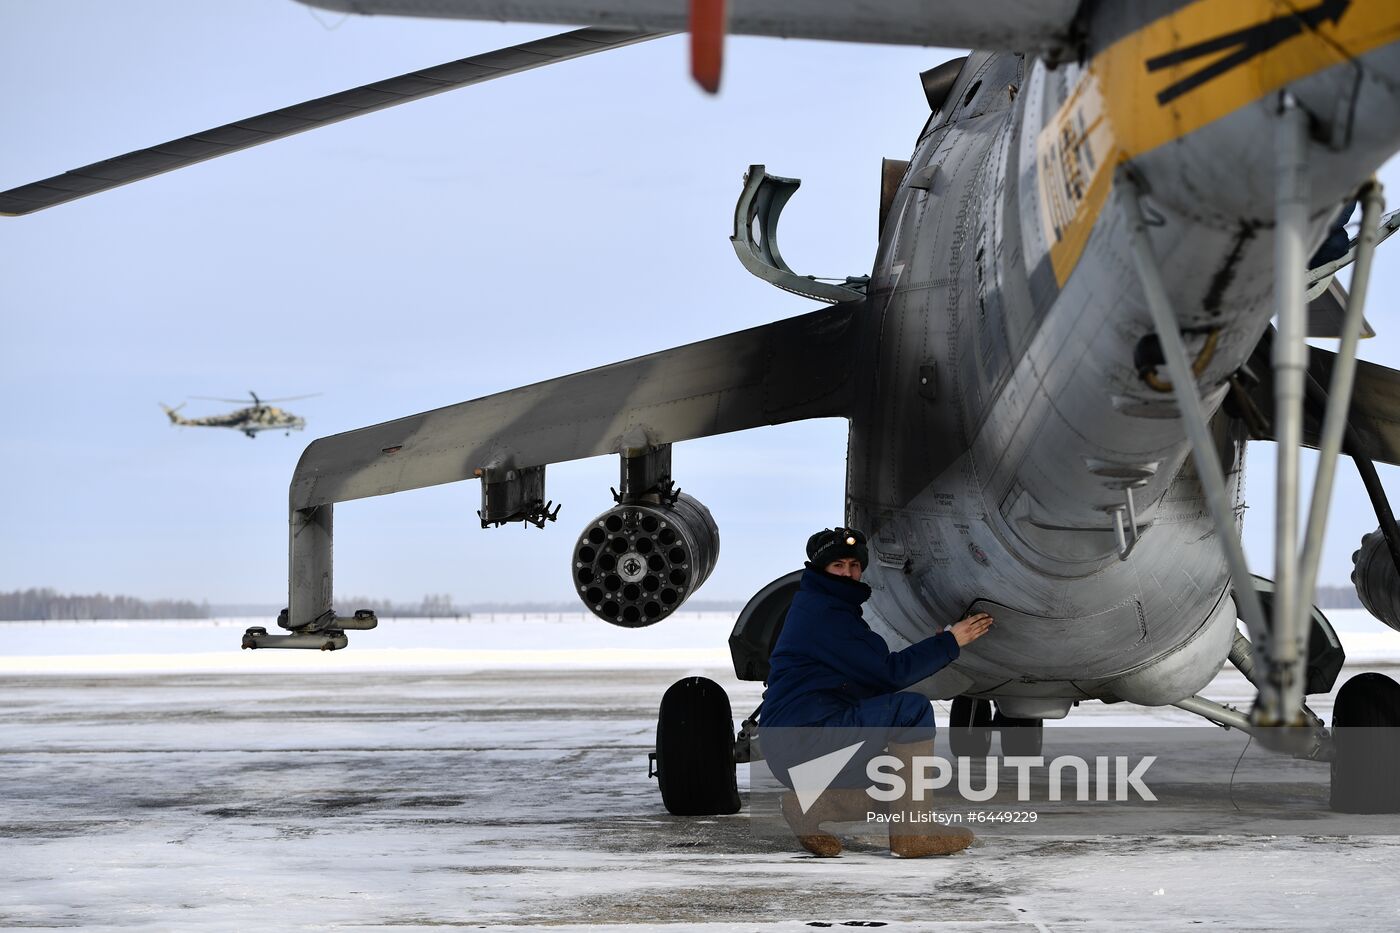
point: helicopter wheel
(1020, 737)
(1366, 730)
(695, 750)
(970, 727)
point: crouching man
(828, 671)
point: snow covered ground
(492, 774)
(550, 640)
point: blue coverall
(829, 669)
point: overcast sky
(477, 241)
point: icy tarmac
(492, 775)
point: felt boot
(835, 805)
(912, 835)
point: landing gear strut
(1020, 737)
(1282, 659)
(971, 723)
(970, 727)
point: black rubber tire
(695, 750)
(970, 728)
(1020, 737)
(1366, 730)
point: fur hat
(832, 544)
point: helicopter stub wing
(1017, 25)
(1374, 415)
(790, 370)
(1375, 406)
(1328, 310)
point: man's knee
(913, 710)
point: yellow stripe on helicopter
(1174, 76)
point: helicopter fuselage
(1008, 419)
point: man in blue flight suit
(828, 669)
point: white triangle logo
(811, 778)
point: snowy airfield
(491, 774)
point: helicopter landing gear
(694, 758)
(1366, 736)
(970, 727)
(971, 724)
(1020, 737)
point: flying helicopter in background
(1050, 373)
(259, 416)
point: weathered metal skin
(997, 482)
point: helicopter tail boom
(173, 413)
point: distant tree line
(441, 606)
(50, 605)
(1337, 597)
(432, 606)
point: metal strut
(1318, 748)
(1334, 423)
(1299, 570)
(1281, 682)
(746, 742)
(1285, 647)
(309, 619)
(1189, 403)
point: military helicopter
(1050, 372)
(260, 416)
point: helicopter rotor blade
(291, 398)
(256, 399)
(298, 118)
